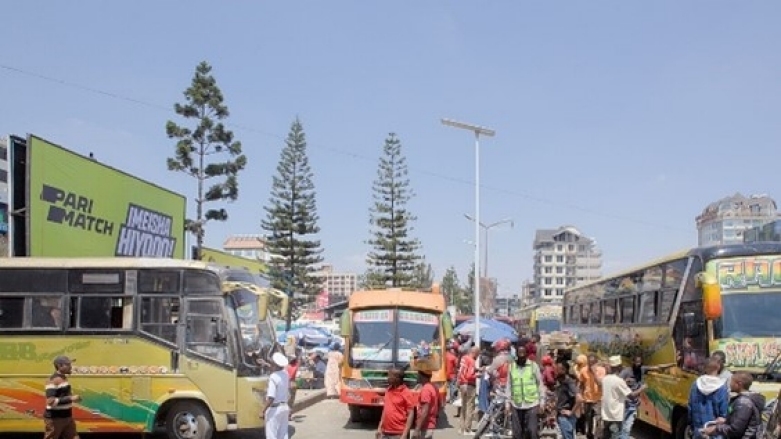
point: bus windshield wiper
(377, 352)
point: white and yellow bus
(679, 310)
(160, 345)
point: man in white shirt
(614, 395)
(277, 412)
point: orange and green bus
(160, 345)
(680, 309)
(391, 328)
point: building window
(548, 270)
(571, 247)
(559, 258)
(4, 153)
(559, 270)
(559, 248)
(548, 258)
(547, 281)
(3, 175)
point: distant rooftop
(245, 242)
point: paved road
(329, 419)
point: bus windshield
(548, 326)
(256, 335)
(751, 315)
(378, 334)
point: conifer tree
(291, 220)
(394, 252)
(207, 151)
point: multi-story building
(337, 284)
(507, 306)
(563, 258)
(724, 221)
(247, 246)
(769, 232)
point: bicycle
(495, 419)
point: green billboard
(78, 207)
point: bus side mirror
(447, 325)
(711, 295)
(345, 324)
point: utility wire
(354, 155)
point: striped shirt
(59, 388)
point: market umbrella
(309, 335)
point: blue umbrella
(490, 330)
(309, 335)
(491, 334)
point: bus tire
(188, 420)
(355, 413)
(682, 428)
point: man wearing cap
(428, 407)
(58, 417)
(277, 411)
(615, 392)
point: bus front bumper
(362, 397)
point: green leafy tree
(291, 220)
(207, 151)
(422, 277)
(394, 253)
(467, 301)
(451, 287)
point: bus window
(648, 307)
(159, 316)
(673, 276)
(96, 281)
(11, 312)
(627, 309)
(596, 312)
(204, 333)
(158, 281)
(609, 308)
(666, 302)
(690, 336)
(33, 281)
(103, 312)
(201, 282)
(47, 312)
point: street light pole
(486, 228)
(477, 130)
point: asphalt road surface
(329, 419)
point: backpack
(768, 427)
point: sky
(623, 119)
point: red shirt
(292, 370)
(430, 396)
(396, 407)
(466, 373)
(451, 364)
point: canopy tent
(308, 334)
(490, 330)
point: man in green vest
(527, 392)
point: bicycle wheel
(483, 425)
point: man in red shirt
(398, 408)
(292, 371)
(428, 408)
(451, 367)
(467, 377)
(531, 348)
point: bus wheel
(682, 428)
(188, 420)
(355, 413)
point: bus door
(210, 362)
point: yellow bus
(160, 345)
(391, 328)
(679, 310)
(542, 318)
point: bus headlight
(353, 383)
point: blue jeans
(453, 390)
(630, 414)
(567, 426)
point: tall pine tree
(394, 255)
(422, 276)
(291, 220)
(451, 287)
(207, 151)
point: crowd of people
(586, 396)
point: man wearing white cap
(277, 411)
(614, 395)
